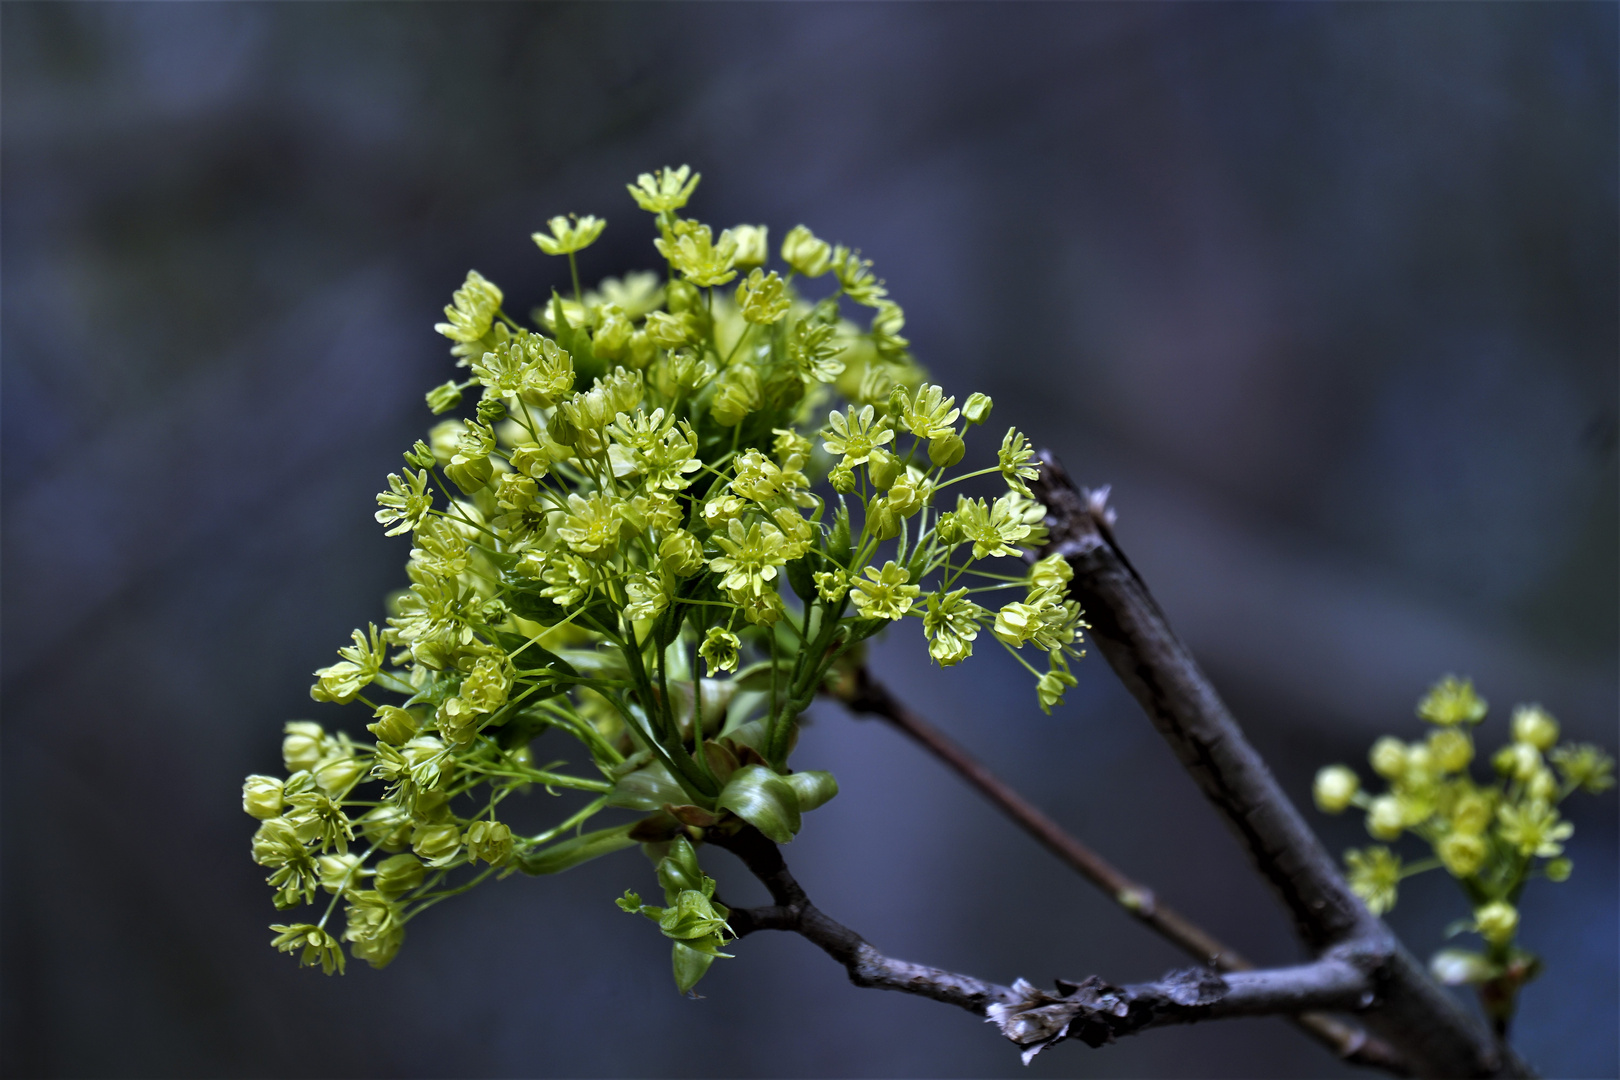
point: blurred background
(1327, 292)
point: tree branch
(1092, 1011)
(864, 695)
(1412, 1012)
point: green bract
(641, 484)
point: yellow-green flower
(591, 525)
(473, 310)
(763, 298)
(1374, 875)
(1497, 922)
(854, 434)
(1535, 726)
(751, 557)
(885, 595)
(360, 664)
(719, 650)
(692, 250)
(951, 622)
(314, 945)
(1335, 786)
(1533, 827)
(570, 234)
(1463, 853)
(405, 503)
(1452, 701)
(666, 190)
(1585, 766)
(806, 254)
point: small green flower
(854, 435)
(855, 276)
(315, 946)
(1452, 701)
(811, 349)
(831, 585)
(591, 525)
(1533, 828)
(751, 557)
(570, 234)
(360, 665)
(1386, 818)
(753, 244)
(736, 396)
(261, 797)
(719, 650)
(1374, 875)
(490, 841)
(375, 928)
(1463, 853)
(997, 529)
(1049, 689)
(1013, 459)
(1535, 726)
(475, 305)
(1585, 766)
(951, 623)
(1450, 749)
(885, 595)
(665, 191)
(692, 250)
(976, 409)
(806, 254)
(438, 845)
(398, 874)
(928, 413)
(405, 503)
(763, 298)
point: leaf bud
(398, 874)
(976, 410)
(1534, 726)
(441, 399)
(1497, 922)
(304, 745)
(394, 725)
(1462, 852)
(490, 841)
(946, 449)
(883, 467)
(261, 796)
(1386, 818)
(1558, 870)
(1335, 786)
(1388, 757)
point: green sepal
(579, 849)
(764, 800)
(690, 965)
(815, 788)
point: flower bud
(437, 844)
(491, 409)
(681, 295)
(389, 827)
(304, 745)
(1450, 750)
(883, 467)
(976, 410)
(1519, 760)
(946, 450)
(394, 725)
(842, 478)
(441, 399)
(1388, 757)
(490, 841)
(261, 796)
(752, 249)
(806, 254)
(338, 871)
(1472, 813)
(1386, 818)
(680, 553)
(339, 775)
(1542, 787)
(1462, 852)
(1557, 870)
(1534, 726)
(398, 874)
(1335, 786)
(1497, 922)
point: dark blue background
(1327, 292)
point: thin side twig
(864, 695)
(1413, 1013)
(1091, 1010)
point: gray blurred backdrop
(1327, 292)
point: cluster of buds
(1492, 837)
(649, 540)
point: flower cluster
(647, 537)
(1493, 838)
